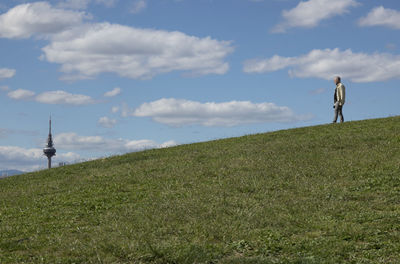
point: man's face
(336, 80)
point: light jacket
(340, 93)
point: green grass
(324, 194)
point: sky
(119, 76)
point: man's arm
(341, 94)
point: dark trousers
(338, 112)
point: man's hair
(338, 78)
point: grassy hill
(324, 194)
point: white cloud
(37, 18)
(52, 97)
(89, 50)
(168, 144)
(6, 73)
(380, 16)
(115, 109)
(268, 65)
(62, 97)
(99, 144)
(137, 145)
(86, 50)
(67, 157)
(308, 14)
(175, 112)
(12, 157)
(13, 153)
(138, 6)
(107, 122)
(21, 94)
(325, 64)
(114, 92)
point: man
(339, 98)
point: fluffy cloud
(89, 50)
(6, 73)
(38, 18)
(176, 112)
(138, 6)
(85, 50)
(106, 122)
(310, 13)
(325, 64)
(52, 97)
(168, 144)
(21, 94)
(99, 144)
(62, 97)
(380, 16)
(114, 92)
(12, 157)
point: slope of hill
(324, 194)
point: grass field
(324, 194)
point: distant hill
(6, 173)
(323, 194)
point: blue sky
(125, 75)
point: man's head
(337, 80)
